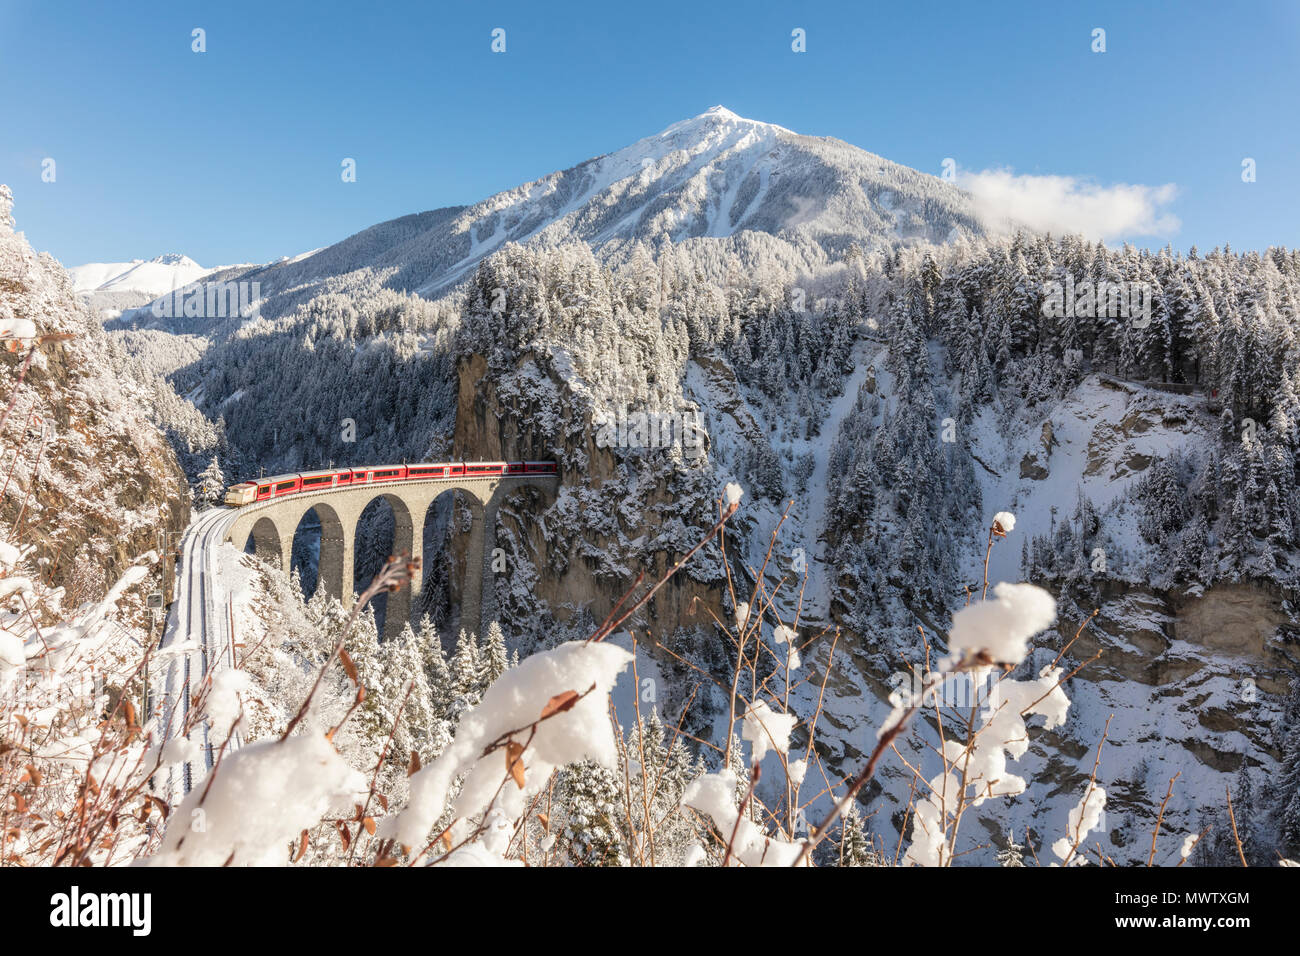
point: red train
(277, 486)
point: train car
(485, 468)
(426, 471)
(286, 485)
(318, 480)
(388, 473)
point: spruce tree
(466, 670)
(436, 672)
(405, 687)
(212, 486)
(492, 656)
(592, 798)
(855, 848)
(1013, 854)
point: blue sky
(233, 155)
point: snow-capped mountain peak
(716, 175)
(150, 277)
(176, 259)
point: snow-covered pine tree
(405, 686)
(211, 486)
(375, 716)
(492, 656)
(1013, 854)
(466, 670)
(1288, 783)
(592, 798)
(855, 848)
(437, 673)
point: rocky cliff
(617, 512)
(88, 481)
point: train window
(317, 481)
(284, 485)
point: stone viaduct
(273, 524)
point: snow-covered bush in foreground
(547, 713)
(263, 797)
(76, 754)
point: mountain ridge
(712, 176)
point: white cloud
(1061, 204)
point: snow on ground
(1103, 436)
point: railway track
(197, 615)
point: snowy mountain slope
(1181, 683)
(150, 277)
(712, 176)
(1099, 439)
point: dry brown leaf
(160, 803)
(414, 766)
(515, 765)
(348, 666)
(559, 703)
(302, 846)
(369, 824)
(545, 821)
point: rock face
(1031, 468)
(89, 480)
(1191, 684)
(569, 551)
(1111, 449)
(1239, 620)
